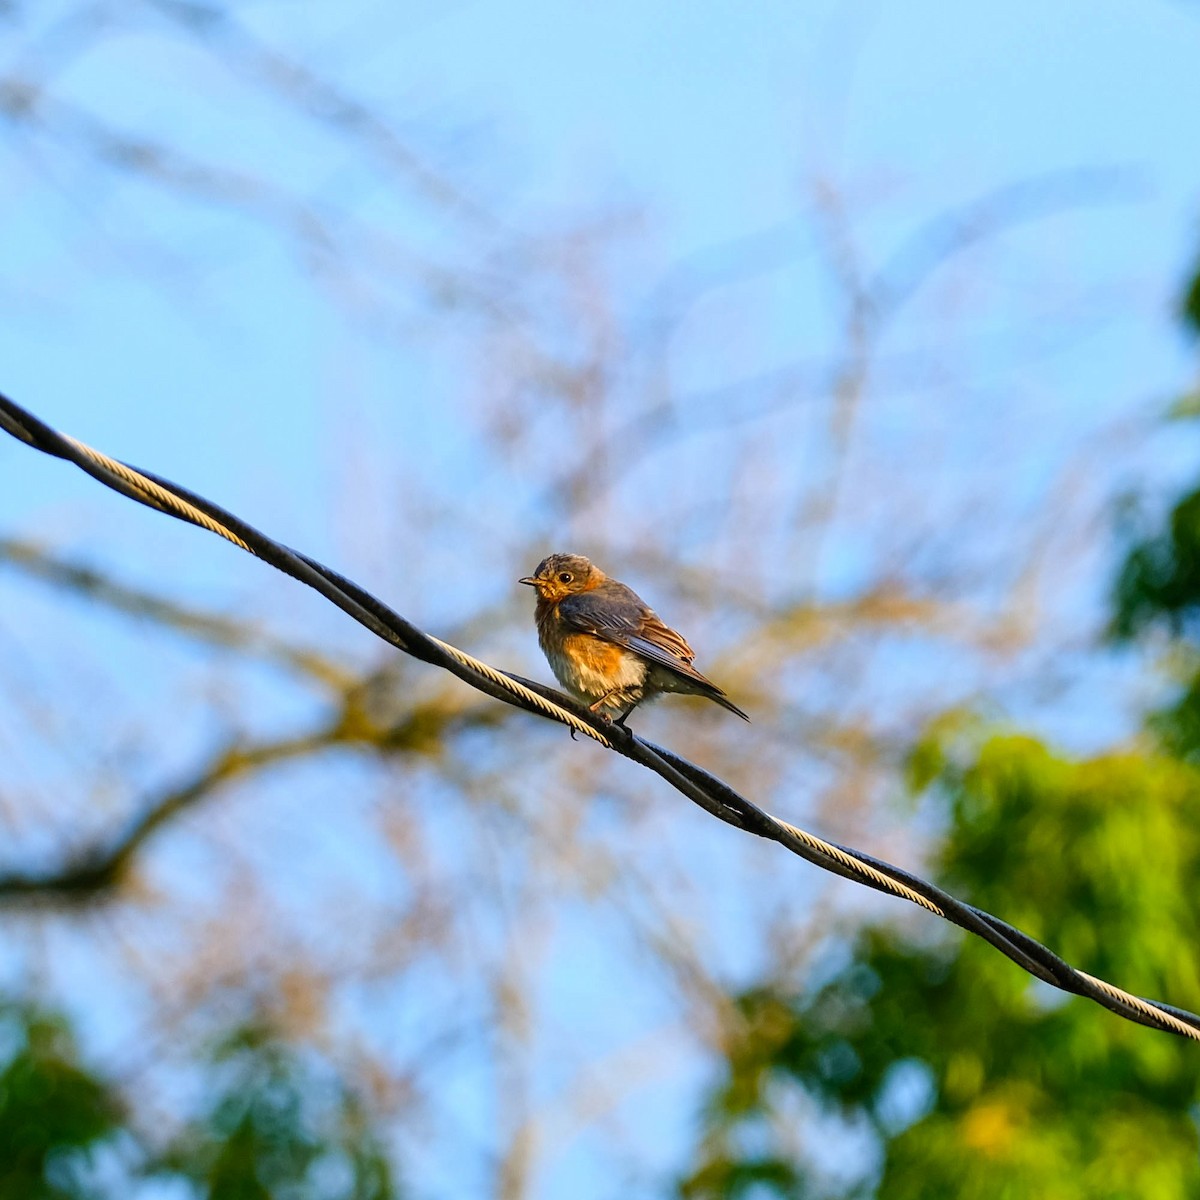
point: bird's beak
(529, 579)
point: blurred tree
(975, 1080)
(54, 1115)
(270, 1125)
(444, 898)
(275, 1129)
(1159, 584)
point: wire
(706, 790)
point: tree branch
(706, 790)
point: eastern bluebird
(605, 645)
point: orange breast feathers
(594, 656)
(584, 664)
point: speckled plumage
(605, 645)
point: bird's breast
(587, 665)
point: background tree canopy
(890, 417)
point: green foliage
(1185, 407)
(725, 1177)
(1025, 1093)
(1177, 726)
(1160, 580)
(1189, 309)
(276, 1130)
(273, 1128)
(1159, 584)
(976, 1081)
(53, 1114)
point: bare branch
(39, 563)
(706, 790)
(100, 869)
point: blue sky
(716, 120)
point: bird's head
(561, 575)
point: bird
(605, 645)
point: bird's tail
(683, 677)
(725, 702)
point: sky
(198, 341)
(717, 119)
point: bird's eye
(564, 577)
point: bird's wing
(616, 613)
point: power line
(698, 785)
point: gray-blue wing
(616, 613)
